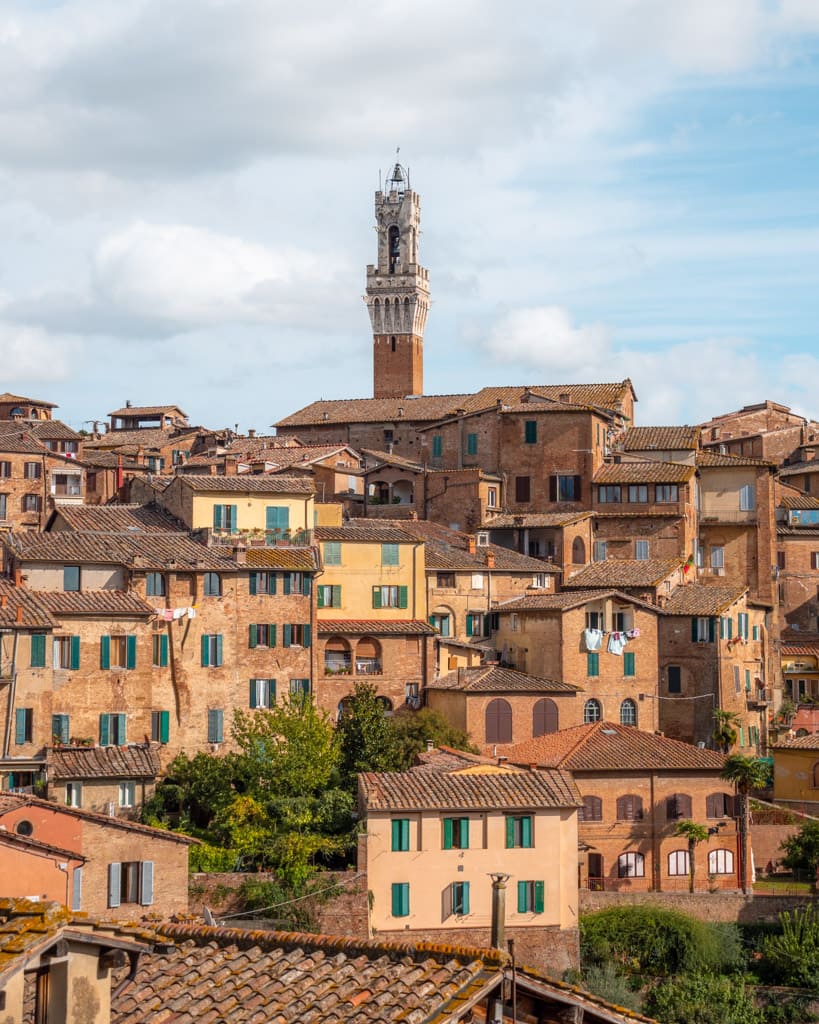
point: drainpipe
(12, 693)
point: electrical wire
(297, 899)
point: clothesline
(617, 639)
(172, 614)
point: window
(726, 627)
(492, 497)
(564, 488)
(216, 725)
(389, 554)
(38, 650)
(300, 688)
(629, 663)
(498, 721)
(541, 581)
(445, 580)
(780, 560)
(23, 725)
(608, 493)
(400, 835)
(719, 805)
(474, 624)
(666, 493)
(155, 584)
(66, 484)
(211, 650)
(717, 557)
(544, 717)
(73, 794)
(262, 693)
(747, 498)
(519, 832)
(677, 806)
(5, 470)
(437, 446)
(159, 650)
(400, 899)
(277, 518)
(530, 897)
(224, 517)
(390, 597)
(262, 583)
(458, 898)
(131, 882)
(592, 711)
(641, 550)
(628, 712)
(600, 551)
(441, 622)
(127, 794)
(594, 620)
(60, 729)
(720, 862)
(332, 552)
(456, 833)
(31, 503)
(737, 684)
(71, 578)
(112, 730)
(212, 584)
(814, 559)
(631, 865)
(65, 652)
(815, 780)
(156, 463)
(4, 506)
(742, 625)
(530, 432)
(160, 726)
(593, 663)
(32, 470)
(118, 652)
(638, 494)
(678, 862)
(523, 491)
(630, 807)
(702, 629)
(262, 634)
(514, 622)
(471, 444)
(674, 679)
(592, 809)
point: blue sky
(609, 188)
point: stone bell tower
(397, 292)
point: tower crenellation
(397, 292)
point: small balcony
(739, 516)
(368, 667)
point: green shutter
(253, 700)
(38, 650)
(253, 634)
(286, 588)
(741, 737)
(464, 833)
(593, 663)
(272, 583)
(531, 432)
(121, 741)
(730, 623)
(164, 726)
(271, 634)
(400, 899)
(403, 597)
(471, 444)
(234, 509)
(437, 445)
(163, 651)
(75, 653)
(337, 596)
(628, 663)
(60, 728)
(470, 626)
(306, 633)
(523, 897)
(712, 629)
(510, 833)
(747, 680)
(320, 596)
(218, 516)
(105, 652)
(539, 897)
(722, 627)
(447, 833)
(376, 597)
(218, 649)
(253, 582)
(215, 725)
(130, 651)
(20, 725)
(396, 834)
(306, 585)
(105, 730)
(464, 897)
(205, 650)
(287, 630)
(526, 832)
(755, 633)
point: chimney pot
(498, 939)
(3, 601)
(471, 544)
(430, 745)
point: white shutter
(76, 889)
(113, 884)
(146, 883)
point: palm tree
(746, 773)
(695, 834)
(725, 729)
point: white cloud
(544, 340)
(33, 355)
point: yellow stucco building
(796, 773)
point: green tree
(414, 728)
(193, 792)
(725, 733)
(802, 849)
(746, 774)
(704, 998)
(367, 737)
(694, 834)
(793, 955)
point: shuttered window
(216, 725)
(60, 728)
(531, 897)
(456, 834)
(519, 832)
(677, 806)
(544, 717)
(629, 807)
(38, 650)
(400, 899)
(498, 721)
(400, 835)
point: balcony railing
(368, 667)
(264, 538)
(710, 514)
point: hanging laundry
(179, 613)
(191, 613)
(167, 614)
(617, 642)
(593, 639)
(632, 634)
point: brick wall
(549, 950)
(398, 365)
(799, 581)
(715, 906)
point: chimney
(230, 465)
(498, 938)
(18, 576)
(430, 746)
(251, 432)
(471, 545)
(19, 615)
(3, 601)
(490, 559)
(240, 554)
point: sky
(609, 188)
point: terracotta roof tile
(809, 742)
(493, 679)
(160, 550)
(248, 484)
(800, 467)
(506, 521)
(128, 519)
(623, 572)
(376, 457)
(375, 627)
(34, 614)
(149, 438)
(800, 501)
(605, 746)
(365, 531)
(797, 531)
(146, 410)
(374, 410)
(21, 443)
(706, 459)
(568, 599)
(131, 762)
(606, 396)
(675, 438)
(644, 473)
(702, 599)
(44, 430)
(93, 602)
(292, 559)
(448, 549)
(6, 397)
(790, 648)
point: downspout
(11, 696)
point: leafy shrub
(792, 957)
(703, 998)
(605, 981)
(205, 857)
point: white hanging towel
(593, 639)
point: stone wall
(549, 950)
(714, 906)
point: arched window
(592, 809)
(592, 711)
(631, 865)
(212, 586)
(677, 806)
(678, 862)
(337, 657)
(394, 236)
(385, 703)
(628, 712)
(719, 805)
(155, 584)
(498, 721)
(345, 706)
(578, 551)
(544, 717)
(816, 775)
(720, 862)
(17, 412)
(368, 657)
(630, 807)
